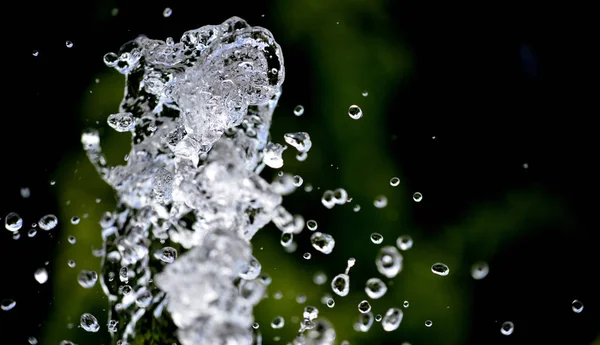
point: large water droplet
(48, 222)
(278, 322)
(322, 242)
(32, 340)
(340, 284)
(41, 275)
(376, 238)
(298, 110)
(364, 306)
(389, 261)
(394, 181)
(89, 323)
(286, 239)
(417, 197)
(428, 323)
(391, 320)
(311, 225)
(298, 180)
(310, 312)
(87, 279)
(301, 141)
(355, 112)
(577, 306)
(375, 288)
(167, 254)
(13, 222)
(364, 322)
(7, 304)
(380, 201)
(479, 270)
(507, 328)
(440, 269)
(404, 242)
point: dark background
(497, 87)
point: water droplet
(13, 222)
(330, 302)
(577, 306)
(121, 122)
(307, 256)
(144, 299)
(167, 254)
(327, 199)
(298, 110)
(320, 278)
(112, 325)
(52, 183)
(32, 340)
(356, 208)
(389, 261)
(364, 322)
(35, 53)
(298, 180)
(75, 220)
(310, 312)
(507, 328)
(392, 319)
(380, 201)
(405, 304)
(365, 93)
(123, 275)
(89, 323)
(440, 269)
(286, 239)
(300, 299)
(404, 242)
(376, 238)
(71, 263)
(16, 235)
(301, 157)
(322, 242)
(355, 112)
(167, 12)
(340, 196)
(375, 288)
(87, 279)
(364, 306)
(7, 304)
(428, 323)
(417, 197)
(278, 322)
(72, 239)
(48, 222)
(69, 44)
(32, 232)
(41, 275)
(25, 193)
(394, 181)
(479, 270)
(311, 225)
(340, 284)
(378, 318)
(255, 325)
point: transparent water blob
(25, 191)
(272, 155)
(404, 242)
(380, 201)
(300, 140)
(320, 278)
(278, 322)
(13, 222)
(307, 256)
(378, 318)
(69, 44)
(112, 325)
(364, 322)
(417, 197)
(167, 254)
(440, 269)
(340, 284)
(144, 299)
(310, 312)
(301, 157)
(121, 122)
(32, 340)
(75, 220)
(298, 180)
(71, 263)
(32, 232)
(299, 110)
(507, 328)
(286, 239)
(167, 12)
(89, 323)
(392, 319)
(322, 242)
(7, 304)
(388, 261)
(355, 112)
(87, 279)
(479, 270)
(72, 239)
(376, 238)
(356, 208)
(405, 304)
(35, 53)
(327, 199)
(375, 288)
(365, 93)
(41, 275)
(48, 222)
(311, 225)
(253, 270)
(364, 306)
(394, 181)
(577, 306)
(340, 196)
(300, 299)
(428, 323)
(330, 302)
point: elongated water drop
(286, 239)
(7, 304)
(392, 319)
(340, 284)
(87, 279)
(440, 269)
(89, 323)
(48, 222)
(300, 140)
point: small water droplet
(13, 222)
(32, 232)
(392, 319)
(378, 318)
(307, 256)
(375, 288)
(41, 275)
(310, 312)
(428, 323)
(298, 110)
(35, 53)
(320, 278)
(32, 341)
(364, 306)
(405, 304)
(71, 263)
(376, 238)
(340, 284)
(577, 306)
(364, 322)
(112, 325)
(311, 225)
(322, 242)
(167, 12)
(278, 322)
(7, 304)
(394, 181)
(507, 328)
(389, 261)
(69, 44)
(404, 242)
(356, 208)
(440, 269)
(330, 302)
(89, 323)
(298, 180)
(479, 270)
(167, 254)
(365, 93)
(48, 222)
(87, 279)
(417, 197)
(380, 201)
(72, 239)
(355, 112)
(286, 239)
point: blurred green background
(452, 109)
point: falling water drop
(89, 323)
(417, 197)
(7, 304)
(320, 278)
(364, 322)
(340, 284)
(380, 201)
(32, 232)
(298, 180)
(286, 239)
(87, 279)
(278, 322)
(392, 319)
(355, 112)
(322, 242)
(72, 239)
(48, 222)
(428, 323)
(404, 242)
(577, 306)
(440, 269)
(311, 225)
(307, 256)
(389, 261)
(35, 53)
(298, 110)
(167, 12)
(365, 93)
(394, 181)
(75, 220)
(13, 222)
(375, 288)
(376, 238)
(167, 254)
(69, 44)
(364, 306)
(405, 304)
(479, 270)
(507, 328)
(41, 275)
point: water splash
(199, 112)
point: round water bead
(440, 269)
(311, 225)
(394, 181)
(41, 275)
(307, 256)
(286, 239)
(298, 180)
(375, 288)
(71, 263)
(479, 270)
(340, 284)
(355, 112)
(32, 340)
(69, 44)
(364, 322)
(340, 196)
(320, 278)
(298, 110)
(72, 239)
(330, 302)
(428, 323)
(13, 222)
(48, 222)
(378, 317)
(144, 299)
(35, 53)
(577, 306)
(75, 220)
(417, 197)
(278, 322)
(255, 325)
(404, 242)
(388, 261)
(356, 208)
(89, 323)
(364, 306)
(7, 304)
(167, 254)
(376, 238)
(32, 232)
(392, 319)
(380, 201)
(167, 12)
(507, 328)
(16, 235)
(87, 279)
(365, 93)
(322, 242)
(405, 304)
